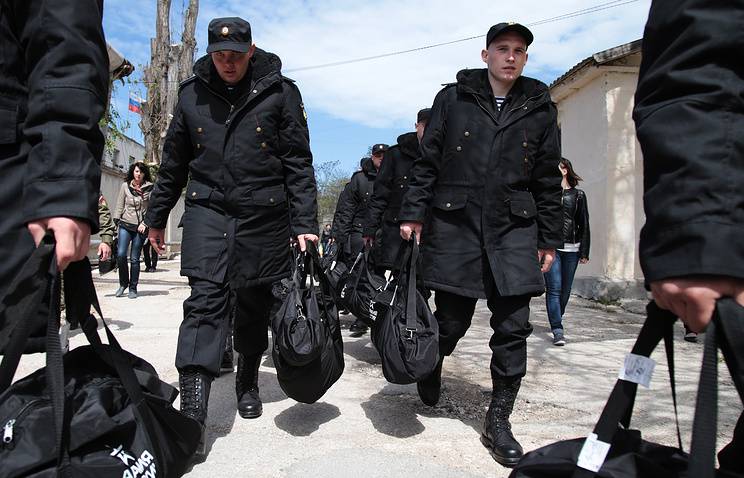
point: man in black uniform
(390, 186)
(53, 84)
(488, 178)
(689, 111)
(239, 137)
(352, 209)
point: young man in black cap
(488, 177)
(352, 209)
(239, 143)
(390, 186)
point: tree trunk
(169, 65)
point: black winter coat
(351, 209)
(390, 186)
(576, 220)
(491, 182)
(252, 183)
(53, 90)
(689, 114)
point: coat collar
(265, 69)
(475, 82)
(409, 144)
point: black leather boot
(429, 388)
(246, 386)
(195, 387)
(358, 328)
(497, 435)
(123, 266)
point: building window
(116, 156)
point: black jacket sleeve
(545, 186)
(67, 80)
(173, 173)
(426, 167)
(380, 197)
(582, 221)
(689, 112)
(297, 160)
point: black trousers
(150, 255)
(509, 321)
(206, 323)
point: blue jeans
(558, 282)
(137, 240)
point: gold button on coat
(467, 133)
(258, 130)
(448, 205)
(459, 148)
(199, 130)
(193, 195)
(524, 144)
(264, 145)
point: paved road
(365, 427)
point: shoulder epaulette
(285, 78)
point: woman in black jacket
(575, 250)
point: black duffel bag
(336, 272)
(627, 454)
(405, 332)
(298, 327)
(361, 287)
(98, 411)
(309, 382)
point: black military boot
(246, 386)
(428, 388)
(497, 435)
(123, 266)
(195, 387)
(358, 328)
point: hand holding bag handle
(727, 330)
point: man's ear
(484, 56)
(251, 51)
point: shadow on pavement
(302, 419)
(144, 293)
(222, 409)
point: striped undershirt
(499, 101)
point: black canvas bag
(298, 327)
(309, 382)
(405, 332)
(361, 287)
(110, 264)
(336, 273)
(97, 411)
(632, 457)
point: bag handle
(725, 330)
(411, 297)
(619, 406)
(19, 311)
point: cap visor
(229, 45)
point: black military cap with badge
(229, 33)
(379, 148)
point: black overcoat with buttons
(353, 203)
(247, 161)
(390, 186)
(487, 188)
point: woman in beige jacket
(131, 205)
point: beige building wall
(598, 136)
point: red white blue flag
(135, 103)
